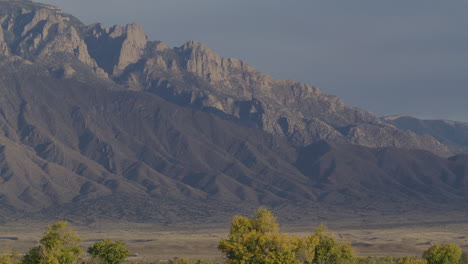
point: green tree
(329, 250)
(306, 249)
(443, 254)
(108, 252)
(257, 241)
(9, 256)
(409, 260)
(59, 245)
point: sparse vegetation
(9, 256)
(108, 252)
(255, 240)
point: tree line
(251, 240)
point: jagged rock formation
(116, 48)
(195, 75)
(43, 34)
(3, 46)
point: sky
(387, 57)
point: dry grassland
(156, 243)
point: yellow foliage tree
(9, 256)
(257, 240)
(443, 254)
(331, 251)
(59, 245)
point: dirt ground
(150, 242)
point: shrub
(59, 245)
(108, 252)
(443, 254)
(257, 240)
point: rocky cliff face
(194, 75)
(116, 48)
(3, 46)
(42, 34)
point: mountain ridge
(99, 122)
(194, 75)
(454, 134)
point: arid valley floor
(152, 242)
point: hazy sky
(385, 56)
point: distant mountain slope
(192, 75)
(77, 147)
(344, 172)
(134, 143)
(451, 133)
(100, 123)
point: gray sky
(387, 57)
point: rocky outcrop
(134, 42)
(194, 75)
(117, 47)
(41, 33)
(3, 46)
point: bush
(108, 252)
(257, 240)
(59, 245)
(329, 250)
(443, 254)
(411, 261)
(9, 257)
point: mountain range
(103, 123)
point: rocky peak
(132, 47)
(43, 34)
(202, 61)
(117, 47)
(206, 63)
(43, 15)
(161, 46)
